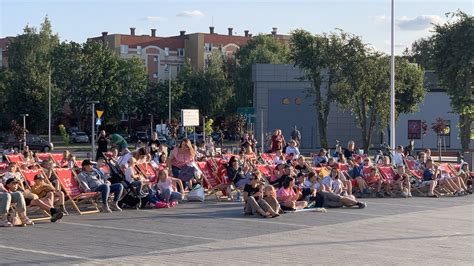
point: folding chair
(15, 158)
(215, 184)
(42, 156)
(71, 188)
(57, 158)
(147, 171)
(32, 212)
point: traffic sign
(99, 113)
(98, 122)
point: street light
(168, 68)
(204, 128)
(49, 105)
(24, 130)
(93, 126)
(392, 82)
(151, 125)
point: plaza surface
(389, 231)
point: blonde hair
(270, 188)
(187, 142)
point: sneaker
(105, 209)
(62, 208)
(115, 207)
(5, 223)
(409, 195)
(361, 205)
(56, 215)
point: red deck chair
(266, 171)
(388, 173)
(215, 184)
(69, 184)
(3, 168)
(15, 158)
(268, 158)
(370, 180)
(147, 170)
(43, 156)
(57, 158)
(411, 166)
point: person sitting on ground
(325, 199)
(43, 191)
(90, 180)
(167, 187)
(350, 150)
(306, 192)
(45, 203)
(269, 195)
(279, 158)
(312, 182)
(253, 198)
(6, 199)
(288, 197)
(402, 181)
(430, 177)
(292, 149)
(398, 156)
(321, 159)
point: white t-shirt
(397, 159)
(129, 174)
(124, 159)
(293, 150)
(167, 184)
(327, 181)
(308, 184)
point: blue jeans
(175, 170)
(105, 190)
(168, 196)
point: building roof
(173, 43)
(4, 42)
(225, 39)
(130, 40)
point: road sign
(98, 122)
(99, 113)
(190, 117)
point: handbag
(197, 194)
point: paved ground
(389, 231)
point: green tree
(29, 57)
(320, 57)
(453, 53)
(262, 49)
(421, 52)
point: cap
(86, 162)
(12, 180)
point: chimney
(211, 29)
(104, 33)
(104, 37)
(246, 33)
(182, 32)
(274, 31)
(153, 32)
(250, 35)
(132, 31)
(230, 31)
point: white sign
(190, 117)
(98, 122)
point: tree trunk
(466, 119)
(322, 127)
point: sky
(75, 20)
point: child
(167, 187)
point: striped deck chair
(35, 213)
(57, 158)
(268, 158)
(15, 158)
(43, 156)
(71, 188)
(147, 171)
(212, 182)
(266, 171)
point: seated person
(286, 172)
(398, 156)
(45, 203)
(302, 166)
(167, 187)
(312, 182)
(321, 159)
(47, 166)
(236, 174)
(402, 181)
(6, 198)
(420, 161)
(350, 151)
(279, 158)
(332, 163)
(292, 149)
(90, 180)
(132, 176)
(288, 197)
(12, 172)
(300, 185)
(430, 178)
(465, 174)
(332, 200)
(48, 192)
(65, 160)
(269, 195)
(253, 198)
(357, 172)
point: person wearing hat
(48, 192)
(292, 149)
(32, 200)
(91, 180)
(6, 199)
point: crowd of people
(270, 184)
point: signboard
(189, 117)
(99, 113)
(98, 122)
(414, 129)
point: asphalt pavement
(389, 231)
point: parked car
(216, 136)
(79, 137)
(142, 136)
(34, 142)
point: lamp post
(204, 128)
(168, 68)
(24, 130)
(93, 126)
(49, 105)
(151, 125)
(392, 81)
(261, 131)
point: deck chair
(42, 156)
(268, 158)
(71, 188)
(147, 171)
(215, 184)
(35, 213)
(57, 158)
(15, 158)
(265, 171)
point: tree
(262, 49)
(320, 57)
(453, 53)
(29, 57)
(421, 53)
(365, 87)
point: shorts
(331, 200)
(242, 182)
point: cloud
(381, 18)
(419, 23)
(153, 18)
(397, 45)
(191, 14)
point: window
(208, 47)
(124, 117)
(179, 67)
(155, 75)
(180, 52)
(124, 49)
(139, 50)
(167, 51)
(155, 58)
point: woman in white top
(132, 176)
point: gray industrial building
(281, 102)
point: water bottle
(238, 196)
